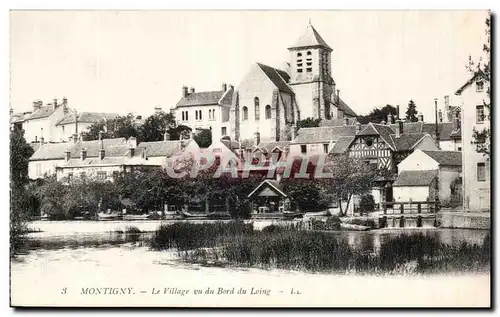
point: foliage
(204, 138)
(378, 115)
(156, 125)
(20, 152)
(411, 112)
(308, 123)
(367, 203)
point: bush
(367, 203)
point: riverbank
(39, 278)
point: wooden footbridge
(409, 214)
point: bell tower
(310, 74)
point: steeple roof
(310, 38)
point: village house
(475, 166)
(76, 122)
(40, 124)
(419, 172)
(270, 101)
(205, 110)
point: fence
(409, 214)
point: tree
(350, 176)
(119, 127)
(180, 131)
(204, 138)
(156, 125)
(411, 112)
(92, 131)
(482, 138)
(377, 115)
(308, 123)
(20, 152)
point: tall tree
(411, 112)
(377, 115)
(120, 127)
(20, 152)
(204, 138)
(482, 138)
(156, 125)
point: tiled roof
(227, 98)
(338, 122)
(415, 178)
(87, 117)
(385, 133)
(409, 127)
(406, 142)
(445, 130)
(310, 38)
(42, 112)
(347, 110)
(323, 134)
(451, 158)
(54, 151)
(231, 144)
(342, 144)
(201, 98)
(35, 146)
(278, 77)
(273, 183)
(269, 146)
(159, 148)
(18, 117)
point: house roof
(415, 178)
(278, 77)
(87, 117)
(342, 144)
(269, 146)
(323, 134)
(345, 108)
(450, 158)
(338, 122)
(18, 117)
(478, 74)
(54, 151)
(406, 142)
(159, 148)
(445, 129)
(42, 112)
(272, 183)
(310, 38)
(201, 98)
(35, 146)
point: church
(268, 102)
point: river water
(57, 275)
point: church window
(257, 108)
(245, 113)
(268, 112)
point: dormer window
(479, 86)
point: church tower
(310, 75)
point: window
(325, 148)
(196, 114)
(101, 175)
(481, 172)
(257, 108)
(245, 113)
(63, 129)
(182, 113)
(459, 148)
(309, 70)
(303, 148)
(479, 86)
(268, 112)
(224, 131)
(480, 114)
(369, 142)
(299, 70)
(187, 117)
(308, 53)
(299, 54)
(184, 116)
(309, 63)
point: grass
(288, 247)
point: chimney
(358, 127)
(83, 154)
(337, 97)
(256, 137)
(11, 111)
(440, 115)
(37, 104)
(447, 102)
(166, 136)
(346, 121)
(191, 90)
(184, 91)
(224, 86)
(65, 101)
(294, 132)
(158, 109)
(67, 154)
(397, 112)
(101, 145)
(399, 128)
(42, 140)
(389, 118)
(54, 104)
(420, 117)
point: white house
(40, 125)
(447, 164)
(475, 166)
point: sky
(133, 61)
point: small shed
(415, 185)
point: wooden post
(402, 208)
